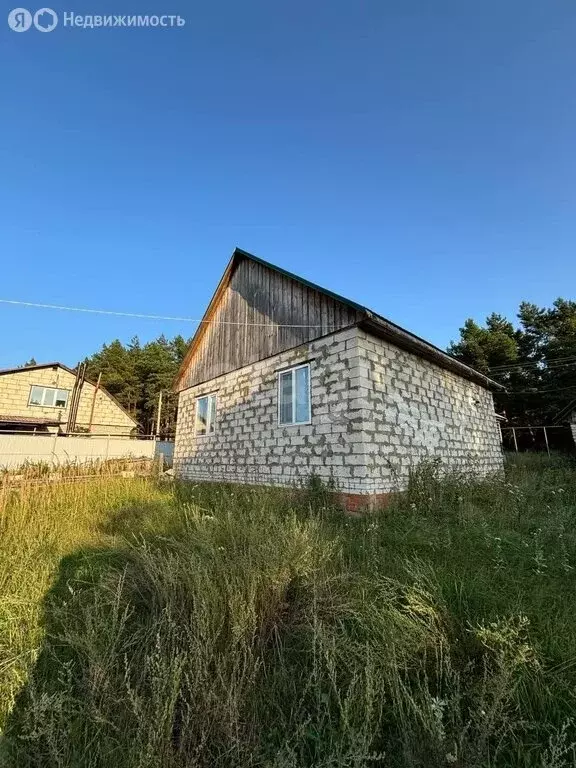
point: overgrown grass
(217, 626)
(39, 524)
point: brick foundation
(357, 503)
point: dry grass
(221, 627)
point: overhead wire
(548, 369)
(550, 362)
(39, 305)
(553, 363)
(514, 392)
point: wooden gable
(258, 311)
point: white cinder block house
(285, 379)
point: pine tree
(136, 374)
(535, 361)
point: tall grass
(39, 524)
(220, 626)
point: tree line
(136, 373)
(535, 359)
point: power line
(532, 366)
(530, 369)
(514, 392)
(547, 369)
(511, 366)
(499, 369)
(536, 362)
(155, 317)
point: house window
(48, 397)
(294, 395)
(205, 415)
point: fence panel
(538, 439)
(16, 450)
(165, 448)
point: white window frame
(211, 415)
(48, 389)
(294, 423)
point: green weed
(217, 625)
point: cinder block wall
(249, 445)
(109, 418)
(413, 410)
(376, 411)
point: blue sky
(417, 157)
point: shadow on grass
(168, 625)
(80, 629)
(238, 627)
(30, 721)
(132, 519)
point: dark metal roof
(31, 420)
(379, 326)
(36, 368)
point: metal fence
(165, 448)
(538, 438)
(54, 449)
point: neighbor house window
(205, 415)
(294, 395)
(49, 397)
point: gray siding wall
(376, 411)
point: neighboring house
(568, 416)
(37, 398)
(284, 379)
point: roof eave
(373, 323)
(384, 329)
(36, 367)
(30, 421)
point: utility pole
(546, 439)
(159, 414)
(96, 388)
(75, 399)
